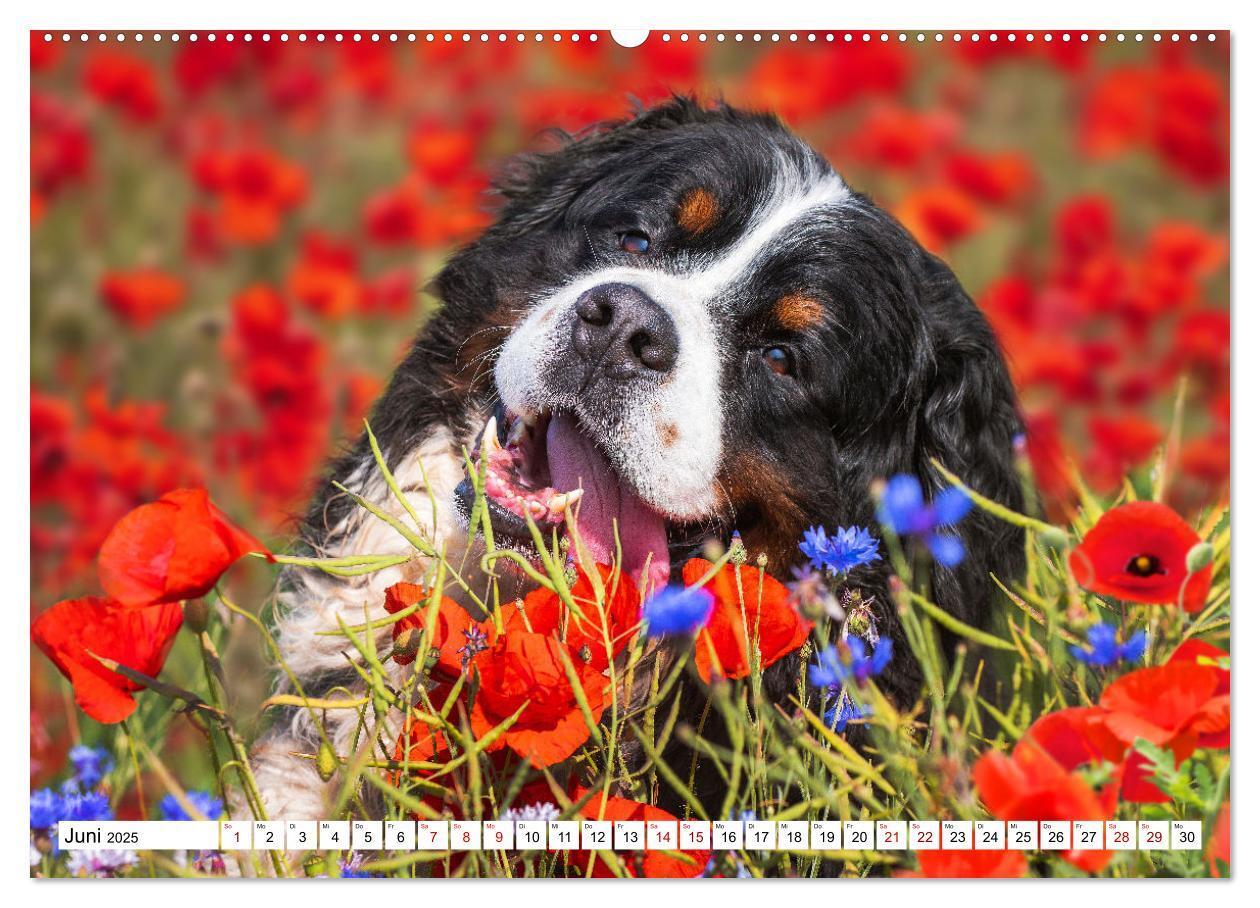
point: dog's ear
(968, 423)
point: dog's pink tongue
(576, 462)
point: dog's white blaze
(677, 479)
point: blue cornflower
(207, 804)
(1106, 649)
(351, 868)
(90, 806)
(475, 642)
(843, 711)
(850, 547)
(904, 510)
(91, 764)
(46, 808)
(831, 670)
(677, 610)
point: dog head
(694, 320)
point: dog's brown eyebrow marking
(668, 433)
(698, 211)
(797, 312)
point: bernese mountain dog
(692, 322)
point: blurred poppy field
(230, 242)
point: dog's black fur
(901, 369)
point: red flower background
(230, 241)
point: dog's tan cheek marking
(798, 312)
(750, 480)
(668, 433)
(698, 211)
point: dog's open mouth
(545, 464)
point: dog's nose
(620, 329)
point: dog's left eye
(778, 359)
(634, 241)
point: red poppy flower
(138, 638)
(283, 367)
(527, 669)
(584, 633)
(1179, 112)
(1077, 736)
(1005, 178)
(326, 277)
(44, 54)
(61, 145)
(256, 188)
(142, 296)
(1190, 129)
(938, 215)
(1218, 844)
(1206, 458)
(126, 82)
(1200, 652)
(1129, 439)
(1175, 706)
(899, 139)
(421, 742)
(799, 84)
(393, 217)
(453, 625)
(1202, 340)
(1029, 784)
(1084, 227)
(171, 549)
(961, 865)
(655, 864)
(748, 608)
(1137, 552)
(199, 66)
(440, 152)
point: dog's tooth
(563, 500)
(516, 432)
(490, 437)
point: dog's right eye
(634, 241)
(778, 359)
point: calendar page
(795, 453)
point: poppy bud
(585, 653)
(739, 554)
(314, 866)
(712, 550)
(762, 560)
(1198, 557)
(407, 644)
(326, 761)
(570, 574)
(1052, 537)
(197, 615)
